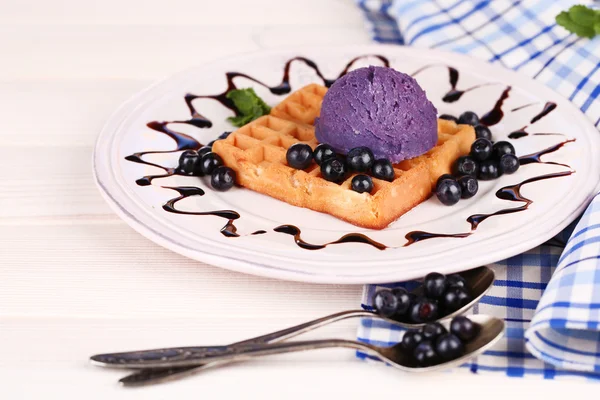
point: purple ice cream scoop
(380, 108)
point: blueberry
(481, 149)
(448, 191)
(299, 155)
(425, 354)
(449, 347)
(501, 148)
(456, 280)
(323, 152)
(433, 330)
(203, 150)
(482, 131)
(222, 178)
(224, 135)
(411, 339)
(385, 303)
(362, 184)
(468, 186)
(469, 118)
(188, 161)
(442, 177)
(434, 285)
(382, 169)
(508, 164)
(464, 328)
(404, 300)
(455, 298)
(423, 310)
(333, 170)
(360, 159)
(465, 165)
(448, 117)
(488, 170)
(209, 162)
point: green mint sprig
(248, 105)
(580, 20)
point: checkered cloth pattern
(550, 295)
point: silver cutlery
(479, 280)
(490, 331)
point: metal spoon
(479, 280)
(491, 330)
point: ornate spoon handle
(149, 358)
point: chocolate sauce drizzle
(182, 142)
(349, 238)
(548, 108)
(495, 115)
(453, 94)
(229, 230)
(536, 158)
(509, 193)
(187, 142)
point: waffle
(257, 152)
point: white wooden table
(75, 280)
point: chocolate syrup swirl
(182, 142)
(187, 142)
(453, 94)
(548, 108)
(417, 236)
(495, 115)
(513, 193)
(523, 106)
(348, 238)
(536, 158)
(229, 230)
(509, 193)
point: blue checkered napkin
(545, 334)
(565, 330)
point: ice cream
(380, 108)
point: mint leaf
(248, 105)
(583, 16)
(564, 19)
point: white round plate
(555, 201)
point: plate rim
(265, 270)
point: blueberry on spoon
(449, 347)
(434, 285)
(385, 303)
(464, 328)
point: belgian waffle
(257, 153)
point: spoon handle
(229, 354)
(157, 375)
(146, 358)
